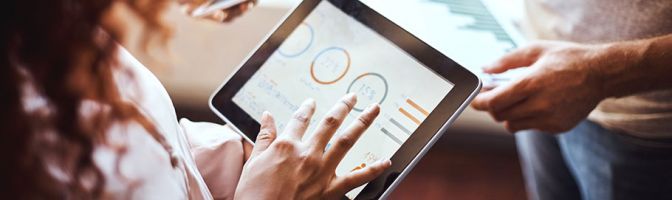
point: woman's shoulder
(138, 85)
(144, 167)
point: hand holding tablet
(219, 10)
(281, 168)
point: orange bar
(416, 106)
(409, 116)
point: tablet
(325, 49)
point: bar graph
(417, 107)
(401, 127)
(391, 136)
(410, 116)
(483, 18)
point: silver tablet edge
(233, 73)
(431, 142)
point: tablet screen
(331, 54)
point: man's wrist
(621, 68)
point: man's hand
(565, 85)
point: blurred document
(474, 33)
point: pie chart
(330, 65)
(370, 88)
(298, 42)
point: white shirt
(210, 156)
(597, 21)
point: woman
(82, 119)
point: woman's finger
(248, 147)
(299, 122)
(331, 122)
(266, 136)
(343, 143)
(219, 16)
(360, 177)
(246, 6)
(235, 11)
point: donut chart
(298, 42)
(330, 65)
(370, 88)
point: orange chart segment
(411, 117)
(330, 65)
(417, 107)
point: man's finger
(299, 122)
(524, 124)
(266, 136)
(343, 143)
(331, 122)
(521, 57)
(528, 108)
(359, 177)
(502, 97)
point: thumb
(357, 178)
(522, 57)
(266, 136)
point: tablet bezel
(466, 86)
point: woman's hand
(288, 168)
(225, 15)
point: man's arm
(650, 68)
(568, 80)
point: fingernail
(489, 67)
(372, 108)
(350, 99)
(368, 107)
(383, 163)
(309, 102)
(351, 95)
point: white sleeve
(219, 155)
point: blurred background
(475, 159)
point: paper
(474, 33)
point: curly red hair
(58, 47)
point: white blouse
(210, 156)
